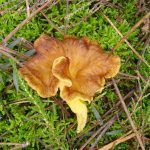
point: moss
(26, 117)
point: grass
(25, 117)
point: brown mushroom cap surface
(76, 66)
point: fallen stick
(25, 22)
(118, 141)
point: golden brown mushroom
(78, 67)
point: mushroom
(78, 67)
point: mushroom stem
(78, 106)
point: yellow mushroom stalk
(79, 108)
(78, 67)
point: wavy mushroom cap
(78, 67)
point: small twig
(78, 10)
(110, 83)
(44, 144)
(27, 8)
(101, 130)
(131, 30)
(92, 11)
(6, 109)
(141, 95)
(133, 49)
(52, 24)
(19, 102)
(118, 103)
(92, 137)
(6, 3)
(61, 105)
(8, 50)
(118, 141)
(27, 44)
(11, 8)
(10, 56)
(104, 131)
(67, 18)
(128, 75)
(36, 5)
(23, 145)
(127, 78)
(146, 139)
(143, 51)
(128, 114)
(140, 76)
(139, 99)
(25, 21)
